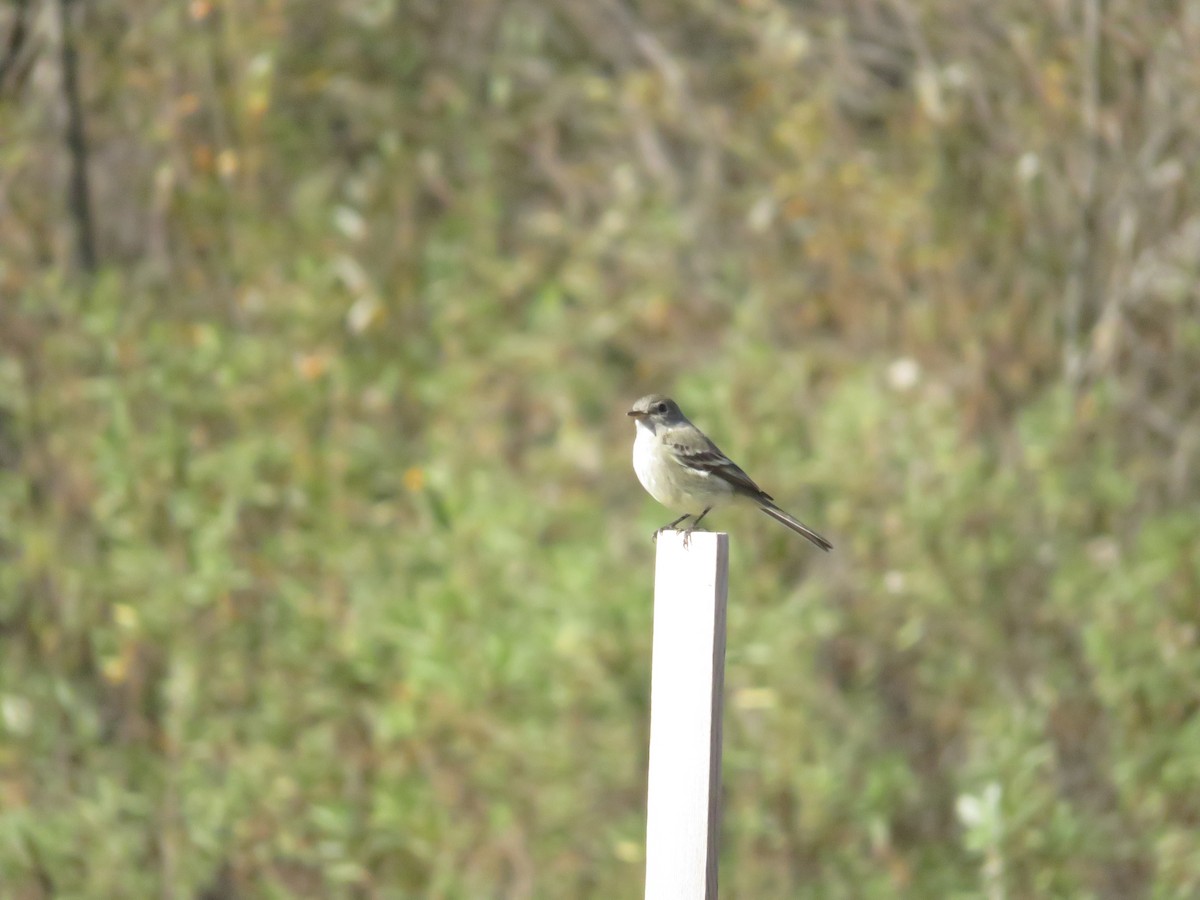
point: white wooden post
(691, 585)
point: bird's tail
(797, 526)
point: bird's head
(654, 410)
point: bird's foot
(687, 532)
(670, 526)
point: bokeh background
(323, 570)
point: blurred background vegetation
(323, 570)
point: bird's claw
(687, 534)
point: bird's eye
(660, 407)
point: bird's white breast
(671, 484)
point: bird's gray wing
(710, 460)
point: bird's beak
(637, 414)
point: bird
(686, 472)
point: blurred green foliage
(323, 571)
